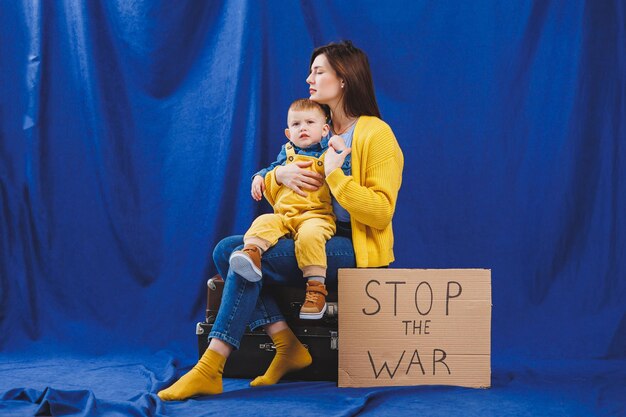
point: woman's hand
(336, 154)
(258, 187)
(297, 178)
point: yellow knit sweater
(370, 193)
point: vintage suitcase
(257, 351)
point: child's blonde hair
(308, 104)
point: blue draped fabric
(129, 131)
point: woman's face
(324, 85)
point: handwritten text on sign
(414, 327)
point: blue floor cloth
(126, 385)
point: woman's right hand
(297, 178)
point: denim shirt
(314, 150)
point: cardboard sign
(414, 327)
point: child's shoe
(247, 263)
(314, 305)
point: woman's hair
(351, 65)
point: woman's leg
(266, 310)
(291, 355)
(230, 323)
(239, 299)
(244, 302)
(281, 268)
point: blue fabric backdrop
(129, 131)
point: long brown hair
(351, 65)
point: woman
(340, 78)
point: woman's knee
(222, 251)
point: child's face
(306, 127)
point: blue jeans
(251, 303)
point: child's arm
(280, 160)
(258, 188)
(258, 182)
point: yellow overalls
(308, 220)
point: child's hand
(337, 143)
(336, 154)
(258, 187)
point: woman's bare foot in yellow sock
(290, 356)
(203, 379)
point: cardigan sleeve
(372, 200)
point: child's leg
(264, 233)
(310, 246)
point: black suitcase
(257, 351)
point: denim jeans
(251, 303)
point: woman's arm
(373, 200)
(294, 176)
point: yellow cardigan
(370, 193)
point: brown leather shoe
(247, 263)
(314, 305)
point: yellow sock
(291, 355)
(205, 378)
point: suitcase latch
(334, 340)
(267, 346)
